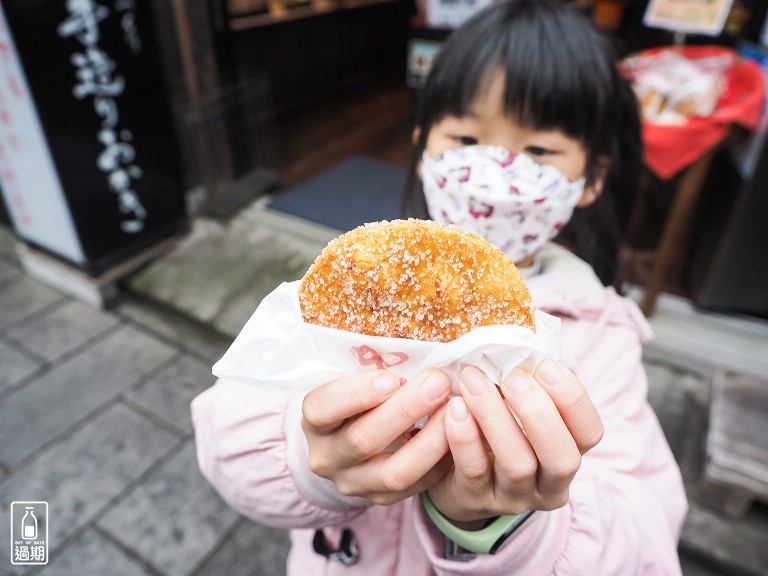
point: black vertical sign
(93, 70)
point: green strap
(484, 541)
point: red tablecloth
(670, 148)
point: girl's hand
(517, 452)
(349, 423)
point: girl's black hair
(560, 73)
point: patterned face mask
(507, 198)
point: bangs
(545, 86)
(552, 72)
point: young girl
(527, 132)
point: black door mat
(353, 192)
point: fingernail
(474, 381)
(434, 386)
(518, 381)
(385, 383)
(550, 372)
(458, 408)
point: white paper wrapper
(276, 349)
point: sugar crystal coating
(413, 279)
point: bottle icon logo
(29, 524)
(29, 533)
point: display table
(736, 467)
(686, 150)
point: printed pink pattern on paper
(367, 356)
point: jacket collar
(567, 286)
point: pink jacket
(627, 502)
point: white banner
(28, 176)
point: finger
(470, 456)
(432, 477)
(414, 459)
(373, 431)
(327, 407)
(408, 470)
(509, 444)
(437, 474)
(555, 448)
(573, 403)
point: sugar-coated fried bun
(413, 279)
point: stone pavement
(94, 419)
